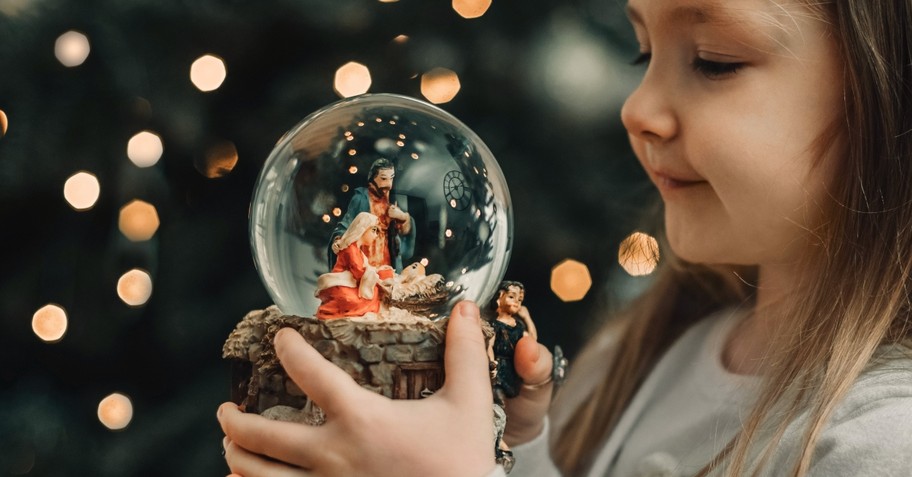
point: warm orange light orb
(71, 48)
(135, 287)
(138, 220)
(471, 8)
(115, 411)
(639, 254)
(81, 190)
(4, 123)
(145, 149)
(352, 79)
(219, 160)
(570, 280)
(208, 72)
(49, 323)
(440, 85)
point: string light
(326, 218)
(49, 323)
(208, 72)
(638, 254)
(115, 411)
(352, 79)
(440, 85)
(570, 280)
(71, 48)
(81, 190)
(135, 287)
(138, 220)
(4, 123)
(145, 149)
(471, 8)
(400, 39)
(219, 160)
(337, 212)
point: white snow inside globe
(401, 181)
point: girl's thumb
(466, 359)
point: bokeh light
(639, 254)
(4, 123)
(138, 220)
(471, 8)
(135, 287)
(400, 39)
(145, 149)
(71, 48)
(81, 190)
(352, 79)
(440, 85)
(49, 323)
(570, 280)
(115, 411)
(218, 161)
(208, 73)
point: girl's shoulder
(885, 381)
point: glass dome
(443, 177)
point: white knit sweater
(689, 407)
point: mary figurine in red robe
(351, 288)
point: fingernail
(225, 442)
(218, 413)
(468, 312)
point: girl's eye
(715, 69)
(641, 59)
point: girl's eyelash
(710, 69)
(715, 69)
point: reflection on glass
(459, 223)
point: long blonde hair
(855, 294)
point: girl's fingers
(248, 464)
(285, 441)
(323, 382)
(526, 412)
(532, 360)
(466, 359)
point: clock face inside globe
(438, 197)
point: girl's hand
(449, 433)
(526, 412)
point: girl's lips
(667, 182)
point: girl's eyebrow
(703, 12)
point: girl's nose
(648, 113)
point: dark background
(542, 84)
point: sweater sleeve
(533, 459)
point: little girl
(775, 340)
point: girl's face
(727, 122)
